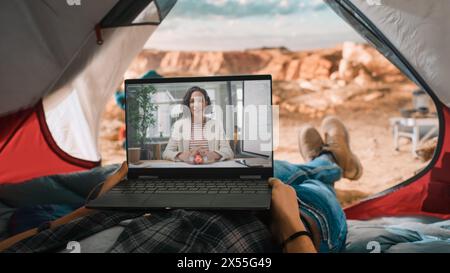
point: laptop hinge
(250, 176)
(142, 176)
(148, 176)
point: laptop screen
(199, 124)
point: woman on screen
(205, 141)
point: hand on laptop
(284, 210)
(286, 219)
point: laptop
(203, 143)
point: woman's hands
(188, 155)
(185, 156)
(212, 156)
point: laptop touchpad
(179, 201)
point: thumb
(273, 181)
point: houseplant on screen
(140, 116)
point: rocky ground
(351, 81)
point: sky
(245, 24)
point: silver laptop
(196, 143)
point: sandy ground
(371, 140)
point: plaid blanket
(161, 232)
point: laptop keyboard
(192, 186)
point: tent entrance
(428, 192)
(137, 12)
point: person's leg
(314, 185)
(320, 165)
(314, 181)
(5, 214)
(336, 147)
(322, 168)
(337, 141)
(67, 189)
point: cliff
(345, 62)
(307, 82)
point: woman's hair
(187, 97)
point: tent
(414, 35)
(61, 60)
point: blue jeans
(314, 184)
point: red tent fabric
(55, 55)
(429, 195)
(27, 149)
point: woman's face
(197, 104)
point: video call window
(222, 124)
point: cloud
(241, 24)
(244, 8)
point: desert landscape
(352, 81)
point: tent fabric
(40, 40)
(28, 150)
(78, 105)
(46, 44)
(164, 7)
(428, 196)
(409, 33)
(420, 31)
(55, 81)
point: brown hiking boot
(310, 142)
(337, 141)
